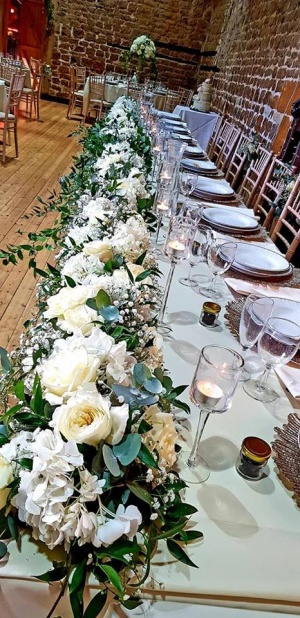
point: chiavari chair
(9, 118)
(254, 176)
(186, 96)
(286, 233)
(133, 90)
(32, 95)
(96, 100)
(221, 139)
(270, 191)
(78, 78)
(237, 162)
(172, 98)
(228, 147)
(214, 136)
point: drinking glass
(177, 249)
(277, 344)
(187, 183)
(162, 206)
(212, 389)
(220, 257)
(196, 254)
(256, 311)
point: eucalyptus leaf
(111, 461)
(153, 385)
(127, 450)
(141, 373)
(4, 361)
(110, 313)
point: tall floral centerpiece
(142, 54)
(88, 443)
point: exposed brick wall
(259, 61)
(86, 30)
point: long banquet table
(250, 554)
(201, 124)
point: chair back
(221, 139)
(14, 94)
(286, 233)
(96, 87)
(271, 191)
(186, 96)
(214, 135)
(238, 158)
(173, 98)
(133, 90)
(80, 76)
(228, 147)
(35, 66)
(254, 175)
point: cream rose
(101, 248)
(162, 437)
(81, 318)
(63, 372)
(137, 269)
(68, 298)
(85, 418)
(6, 477)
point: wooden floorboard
(45, 154)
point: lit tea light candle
(162, 206)
(176, 248)
(166, 176)
(207, 393)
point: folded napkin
(246, 288)
(290, 376)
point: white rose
(137, 269)
(67, 298)
(80, 318)
(100, 248)
(6, 477)
(63, 372)
(163, 435)
(85, 418)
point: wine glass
(187, 183)
(220, 257)
(212, 389)
(256, 311)
(277, 344)
(197, 246)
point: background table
(201, 124)
(115, 90)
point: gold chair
(238, 158)
(254, 175)
(270, 191)
(221, 139)
(214, 136)
(186, 96)
(78, 79)
(133, 90)
(286, 233)
(96, 100)
(9, 118)
(32, 95)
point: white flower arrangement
(143, 47)
(87, 450)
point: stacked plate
(184, 137)
(218, 191)
(232, 222)
(170, 115)
(259, 262)
(195, 152)
(203, 168)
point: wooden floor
(45, 154)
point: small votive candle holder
(209, 314)
(253, 458)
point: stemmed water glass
(176, 247)
(277, 344)
(220, 257)
(212, 389)
(187, 183)
(256, 311)
(197, 246)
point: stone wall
(259, 61)
(94, 33)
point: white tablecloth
(201, 124)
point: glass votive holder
(253, 458)
(209, 314)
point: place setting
(234, 222)
(202, 167)
(214, 190)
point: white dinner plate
(216, 187)
(194, 150)
(225, 218)
(288, 309)
(264, 276)
(184, 138)
(259, 259)
(170, 115)
(204, 165)
(175, 122)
